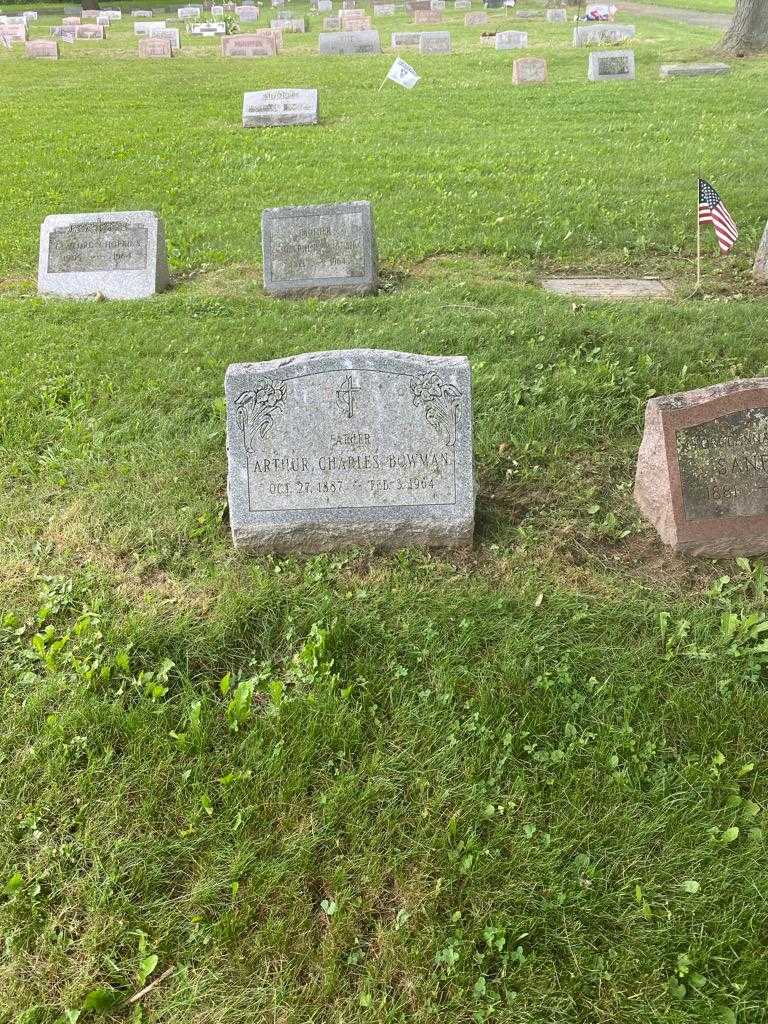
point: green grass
(495, 786)
(708, 6)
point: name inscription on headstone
(350, 447)
(319, 250)
(702, 471)
(106, 245)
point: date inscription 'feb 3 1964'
(358, 447)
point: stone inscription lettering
(724, 466)
(320, 246)
(102, 246)
(613, 66)
(357, 459)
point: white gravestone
(117, 255)
(611, 66)
(279, 107)
(511, 40)
(359, 447)
(434, 43)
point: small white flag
(403, 74)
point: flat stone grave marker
(117, 255)
(170, 35)
(349, 43)
(611, 66)
(599, 35)
(44, 49)
(322, 250)
(248, 13)
(90, 32)
(511, 40)
(144, 28)
(528, 15)
(608, 288)
(434, 43)
(155, 46)
(693, 70)
(359, 447)
(273, 108)
(558, 14)
(702, 469)
(529, 71)
(427, 17)
(250, 44)
(475, 18)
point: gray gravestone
(462, 5)
(434, 43)
(144, 28)
(170, 35)
(511, 40)
(45, 49)
(332, 23)
(248, 14)
(400, 40)
(349, 42)
(476, 18)
(558, 14)
(273, 108)
(360, 447)
(117, 255)
(319, 250)
(692, 70)
(702, 472)
(599, 35)
(760, 267)
(152, 46)
(611, 66)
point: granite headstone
(273, 108)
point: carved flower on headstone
(433, 394)
(255, 409)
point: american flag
(712, 211)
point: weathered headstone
(693, 70)
(65, 32)
(434, 43)
(702, 470)
(31, 15)
(403, 40)
(90, 32)
(142, 14)
(319, 250)
(103, 20)
(349, 42)
(529, 71)
(289, 25)
(488, 39)
(475, 18)
(609, 289)
(427, 17)
(45, 49)
(511, 40)
(170, 35)
(557, 14)
(117, 255)
(324, 6)
(217, 11)
(599, 35)
(155, 46)
(279, 107)
(438, 5)
(208, 28)
(760, 266)
(250, 44)
(15, 33)
(331, 23)
(360, 447)
(383, 10)
(90, 15)
(611, 66)
(528, 15)
(188, 13)
(113, 14)
(462, 5)
(70, 20)
(248, 13)
(144, 28)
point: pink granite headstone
(46, 49)
(702, 471)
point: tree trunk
(748, 32)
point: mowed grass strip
(521, 784)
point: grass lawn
(709, 6)
(522, 784)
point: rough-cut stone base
(692, 70)
(608, 287)
(324, 536)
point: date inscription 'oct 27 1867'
(349, 455)
(98, 246)
(724, 466)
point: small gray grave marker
(272, 108)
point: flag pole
(698, 239)
(383, 83)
